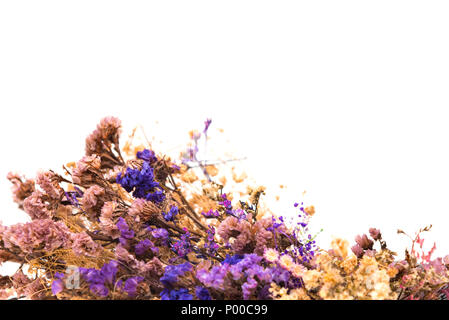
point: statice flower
(233, 259)
(183, 246)
(101, 141)
(227, 204)
(91, 197)
(172, 272)
(101, 280)
(147, 155)
(170, 215)
(160, 233)
(21, 188)
(174, 235)
(181, 294)
(215, 277)
(246, 270)
(210, 244)
(48, 182)
(38, 234)
(57, 285)
(143, 246)
(126, 233)
(130, 285)
(83, 245)
(202, 293)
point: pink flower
(20, 189)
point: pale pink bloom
(137, 207)
(84, 245)
(80, 173)
(44, 234)
(90, 197)
(375, 233)
(36, 207)
(20, 281)
(20, 189)
(107, 133)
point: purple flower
(92, 275)
(109, 271)
(211, 214)
(248, 288)
(160, 233)
(59, 275)
(226, 203)
(99, 289)
(206, 125)
(202, 293)
(125, 231)
(141, 183)
(210, 244)
(147, 155)
(215, 277)
(181, 294)
(172, 272)
(57, 286)
(357, 250)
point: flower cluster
(141, 183)
(143, 226)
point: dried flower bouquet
(115, 228)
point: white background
(344, 99)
